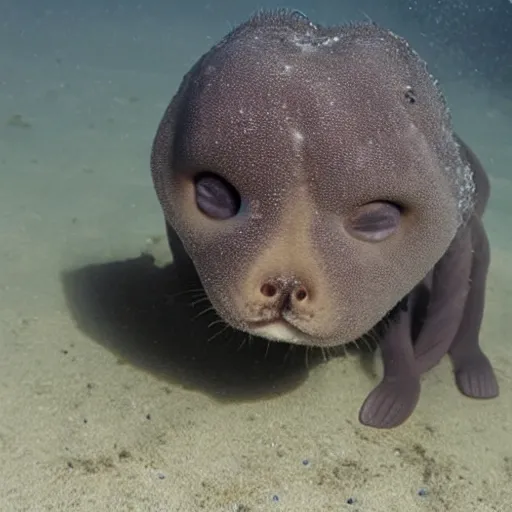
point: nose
(285, 292)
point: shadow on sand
(143, 314)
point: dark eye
(216, 197)
(375, 222)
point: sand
(111, 397)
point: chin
(282, 331)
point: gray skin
(313, 179)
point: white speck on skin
(297, 135)
(297, 140)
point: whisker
(366, 340)
(245, 340)
(290, 350)
(198, 294)
(215, 322)
(198, 301)
(375, 338)
(185, 292)
(201, 313)
(306, 357)
(218, 333)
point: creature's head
(312, 176)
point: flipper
(397, 395)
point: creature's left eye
(216, 197)
(375, 222)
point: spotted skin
(314, 127)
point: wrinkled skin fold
(312, 177)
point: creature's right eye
(216, 197)
(374, 222)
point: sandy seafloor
(110, 397)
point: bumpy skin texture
(310, 125)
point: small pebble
(351, 501)
(161, 476)
(275, 497)
(422, 492)
(305, 462)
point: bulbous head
(312, 176)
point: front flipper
(473, 371)
(396, 396)
(449, 292)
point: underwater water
(113, 394)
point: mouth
(279, 330)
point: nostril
(268, 290)
(301, 294)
